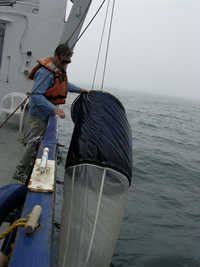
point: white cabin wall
(41, 38)
(26, 6)
(12, 58)
(53, 8)
(37, 28)
(27, 31)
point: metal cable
(108, 45)
(103, 30)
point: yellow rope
(20, 222)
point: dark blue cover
(102, 134)
(11, 196)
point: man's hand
(83, 90)
(60, 112)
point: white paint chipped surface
(42, 182)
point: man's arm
(72, 88)
(41, 84)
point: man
(50, 89)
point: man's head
(64, 53)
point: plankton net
(97, 177)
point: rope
(89, 23)
(79, 22)
(57, 64)
(108, 45)
(103, 30)
(21, 222)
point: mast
(75, 21)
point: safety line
(103, 30)
(108, 45)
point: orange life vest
(58, 92)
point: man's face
(63, 63)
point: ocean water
(161, 225)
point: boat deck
(11, 149)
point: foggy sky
(154, 47)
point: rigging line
(89, 23)
(103, 30)
(55, 65)
(85, 27)
(80, 21)
(108, 45)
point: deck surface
(11, 149)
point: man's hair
(63, 50)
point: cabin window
(2, 34)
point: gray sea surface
(161, 225)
